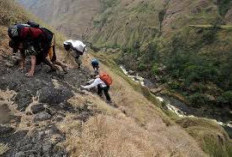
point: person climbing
(76, 46)
(102, 82)
(36, 42)
(95, 65)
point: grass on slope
(3, 148)
(208, 134)
(10, 13)
(212, 138)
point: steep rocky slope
(48, 115)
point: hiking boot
(53, 69)
(109, 102)
(65, 70)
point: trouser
(96, 70)
(105, 90)
(78, 61)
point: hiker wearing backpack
(36, 42)
(95, 65)
(102, 82)
(77, 49)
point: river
(174, 105)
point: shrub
(142, 67)
(197, 100)
(155, 69)
(224, 6)
(226, 98)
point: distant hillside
(74, 18)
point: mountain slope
(71, 17)
(49, 116)
(79, 123)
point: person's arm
(91, 81)
(94, 84)
(32, 70)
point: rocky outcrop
(30, 113)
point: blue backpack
(95, 63)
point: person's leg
(22, 60)
(106, 92)
(49, 63)
(78, 60)
(50, 58)
(32, 70)
(64, 67)
(99, 90)
(31, 51)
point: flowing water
(174, 105)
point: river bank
(176, 106)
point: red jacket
(30, 32)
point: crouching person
(102, 82)
(77, 47)
(95, 65)
(36, 42)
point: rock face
(42, 116)
(47, 104)
(39, 144)
(37, 108)
(5, 129)
(54, 96)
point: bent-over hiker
(36, 42)
(102, 82)
(77, 47)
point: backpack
(33, 24)
(15, 30)
(48, 35)
(106, 78)
(95, 63)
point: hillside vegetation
(182, 44)
(79, 123)
(74, 18)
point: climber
(39, 43)
(77, 49)
(95, 65)
(102, 82)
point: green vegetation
(105, 4)
(212, 138)
(224, 6)
(203, 79)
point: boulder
(20, 154)
(42, 116)
(37, 108)
(156, 90)
(5, 129)
(53, 96)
